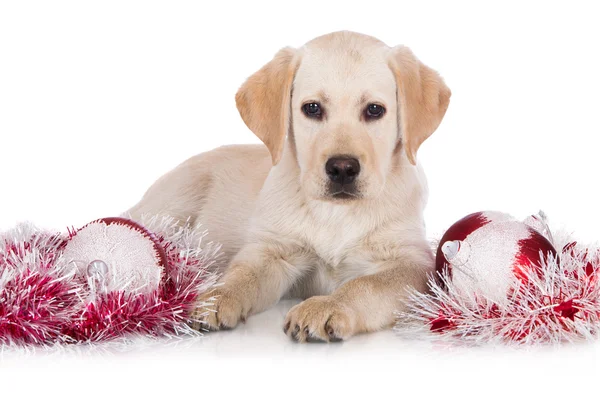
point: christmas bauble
(485, 252)
(116, 255)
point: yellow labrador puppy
(330, 209)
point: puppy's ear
(423, 98)
(264, 100)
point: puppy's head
(349, 105)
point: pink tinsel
(43, 300)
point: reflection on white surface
(262, 335)
(259, 356)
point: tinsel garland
(557, 303)
(44, 301)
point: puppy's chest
(337, 243)
(339, 259)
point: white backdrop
(98, 99)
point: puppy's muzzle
(342, 172)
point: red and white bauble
(485, 252)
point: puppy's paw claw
(319, 319)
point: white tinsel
(532, 315)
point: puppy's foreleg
(258, 276)
(364, 304)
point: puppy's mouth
(343, 192)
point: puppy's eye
(374, 111)
(312, 110)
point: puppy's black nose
(342, 170)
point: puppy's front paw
(219, 309)
(320, 318)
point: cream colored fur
(282, 234)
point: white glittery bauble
(487, 269)
(116, 255)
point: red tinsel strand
(36, 298)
